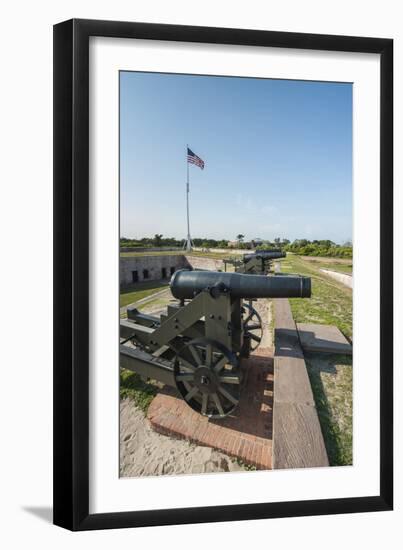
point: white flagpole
(189, 240)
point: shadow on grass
(338, 441)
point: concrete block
(323, 338)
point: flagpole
(189, 240)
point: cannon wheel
(253, 326)
(207, 376)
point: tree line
(160, 241)
(302, 247)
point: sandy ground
(144, 452)
(265, 308)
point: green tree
(157, 241)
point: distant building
(256, 242)
(241, 244)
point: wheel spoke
(191, 393)
(204, 403)
(254, 337)
(220, 364)
(195, 354)
(249, 317)
(218, 404)
(187, 364)
(255, 326)
(226, 394)
(203, 358)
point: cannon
(265, 254)
(258, 262)
(187, 284)
(197, 345)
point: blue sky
(278, 157)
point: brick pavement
(246, 435)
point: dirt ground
(143, 452)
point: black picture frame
(71, 274)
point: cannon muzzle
(265, 255)
(185, 285)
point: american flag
(194, 159)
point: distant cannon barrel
(185, 285)
(265, 255)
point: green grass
(133, 387)
(139, 291)
(213, 255)
(151, 253)
(322, 263)
(342, 268)
(244, 465)
(331, 302)
(331, 378)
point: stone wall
(343, 278)
(149, 268)
(155, 268)
(198, 262)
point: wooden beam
(297, 436)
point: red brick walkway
(246, 435)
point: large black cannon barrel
(265, 254)
(187, 284)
